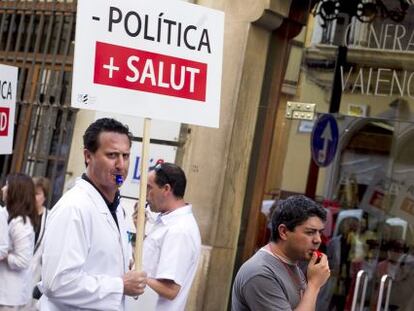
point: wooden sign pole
(142, 194)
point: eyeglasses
(161, 173)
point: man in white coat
(86, 252)
(172, 245)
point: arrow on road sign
(324, 140)
(327, 137)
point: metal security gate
(38, 37)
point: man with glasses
(172, 246)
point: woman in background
(42, 186)
(15, 274)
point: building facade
(352, 59)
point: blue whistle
(119, 180)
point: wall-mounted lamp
(364, 10)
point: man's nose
(317, 238)
(120, 162)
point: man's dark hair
(91, 136)
(293, 212)
(169, 173)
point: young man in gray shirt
(271, 279)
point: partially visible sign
(159, 59)
(324, 141)
(160, 129)
(403, 206)
(131, 186)
(357, 110)
(380, 195)
(8, 87)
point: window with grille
(38, 37)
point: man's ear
(283, 232)
(167, 188)
(87, 156)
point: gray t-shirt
(264, 283)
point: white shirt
(84, 255)
(171, 251)
(4, 233)
(15, 274)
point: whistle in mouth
(119, 180)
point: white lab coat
(15, 274)
(4, 233)
(36, 263)
(85, 255)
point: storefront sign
(377, 81)
(156, 59)
(386, 36)
(393, 38)
(8, 87)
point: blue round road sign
(324, 140)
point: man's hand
(318, 273)
(134, 283)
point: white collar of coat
(169, 217)
(94, 195)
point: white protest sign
(158, 59)
(160, 129)
(8, 87)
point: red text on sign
(149, 72)
(4, 121)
